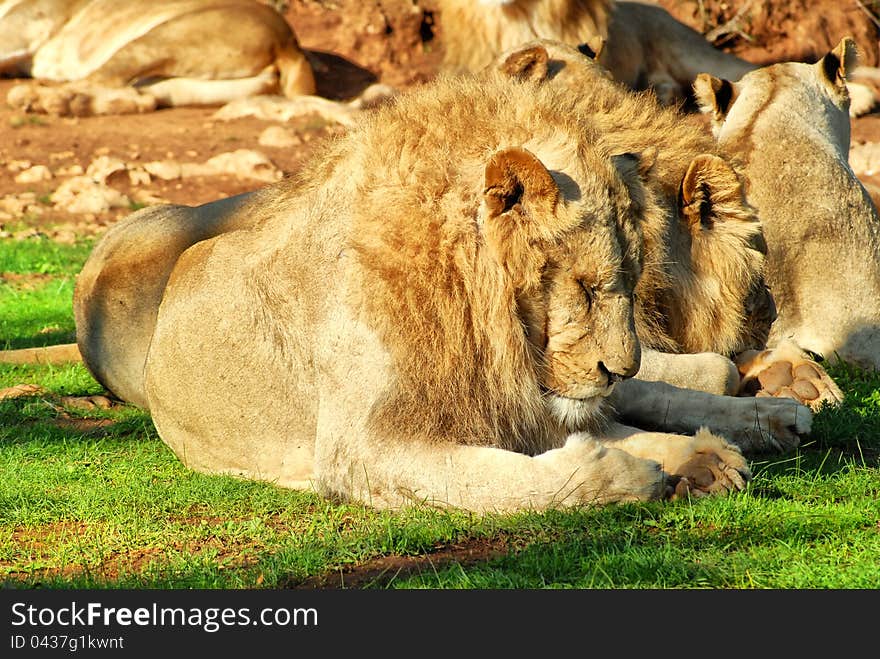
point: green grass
(84, 505)
(36, 292)
(37, 317)
(41, 256)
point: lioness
(644, 46)
(174, 52)
(787, 127)
(702, 289)
(433, 312)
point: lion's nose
(620, 373)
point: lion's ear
(592, 47)
(520, 198)
(710, 193)
(837, 66)
(518, 184)
(528, 63)
(714, 95)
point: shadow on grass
(45, 419)
(627, 546)
(41, 340)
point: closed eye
(589, 293)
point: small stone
(73, 170)
(139, 176)
(18, 165)
(167, 170)
(35, 174)
(277, 137)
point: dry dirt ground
(70, 177)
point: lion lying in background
(644, 46)
(134, 56)
(787, 127)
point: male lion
(787, 127)
(701, 287)
(434, 312)
(136, 55)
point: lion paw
(78, 99)
(786, 372)
(714, 467)
(769, 424)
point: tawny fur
(702, 287)
(474, 32)
(787, 128)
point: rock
(72, 170)
(167, 170)
(104, 168)
(35, 174)
(278, 137)
(18, 165)
(82, 194)
(280, 108)
(245, 163)
(865, 158)
(139, 176)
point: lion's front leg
(698, 464)
(753, 424)
(394, 472)
(703, 371)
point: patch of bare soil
(42, 155)
(385, 569)
(394, 41)
(767, 31)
